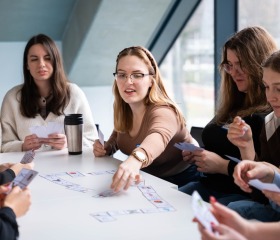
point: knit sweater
(15, 127)
(164, 159)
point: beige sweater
(15, 127)
(163, 158)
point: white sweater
(15, 127)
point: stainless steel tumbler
(74, 127)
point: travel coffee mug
(74, 126)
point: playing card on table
(202, 213)
(24, 177)
(28, 157)
(75, 174)
(106, 193)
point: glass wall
(188, 68)
(259, 12)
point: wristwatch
(140, 156)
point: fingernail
(213, 199)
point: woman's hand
(247, 170)
(188, 156)
(18, 200)
(98, 149)
(239, 133)
(55, 140)
(209, 162)
(225, 233)
(31, 142)
(127, 173)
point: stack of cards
(187, 146)
(44, 131)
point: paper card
(44, 131)
(264, 186)
(187, 146)
(159, 203)
(75, 174)
(106, 193)
(103, 217)
(24, 177)
(101, 137)
(28, 157)
(146, 189)
(233, 159)
(202, 213)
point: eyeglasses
(229, 67)
(121, 77)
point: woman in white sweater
(45, 96)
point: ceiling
(91, 32)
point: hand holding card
(24, 177)
(202, 213)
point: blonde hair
(157, 94)
(251, 45)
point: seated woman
(240, 134)
(45, 96)
(147, 124)
(241, 93)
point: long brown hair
(251, 45)
(157, 94)
(59, 83)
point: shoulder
(161, 110)
(13, 92)
(75, 89)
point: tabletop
(66, 202)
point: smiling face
(39, 64)
(133, 92)
(238, 75)
(271, 80)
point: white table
(60, 213)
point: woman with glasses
(147, 124)
(45, 96)
(242, 94)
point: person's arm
(261, 230)
(163, 125)
(240, 135)
(9, 111)
(8, 224)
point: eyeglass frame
(237, 68)
(130, 76)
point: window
(188, 68)
(265, 13)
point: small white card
(44, 131)
(264, 186)
(187, 146)
(202, 212)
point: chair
(196, 134)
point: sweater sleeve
(162, 126)
(8, 224)
(10, 139)
(7, 176)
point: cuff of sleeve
(231, 166)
